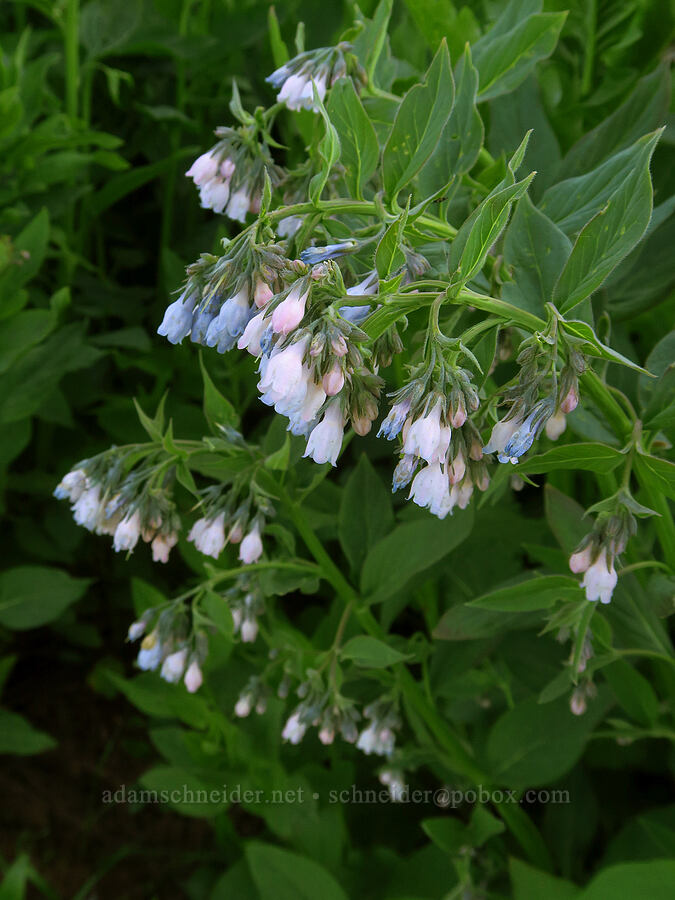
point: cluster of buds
(595, 555)
(223, 293)
(169, 646)
(328, 711)
(435, 429)
(580, 697)
(394, 781)
(230, 176)
(313, 70)
(379, 736)
(247, 603)
(539, 399)
(311, 369)
(107, 499)
(253, 697)
(228, 521)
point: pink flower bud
(333, 380)
(262, 294)
(289, 313)
(193, 677)
(581, 560)
(569, 404)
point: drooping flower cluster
(540, 399)
(109, 497)
(379, 736)
(596, 554)
(230, 176)
(318, 69)
(170, 645)
(435, 429)
(233, 516)
(223, 293)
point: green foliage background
(102, 107)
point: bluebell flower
(177, 320)
(524, 436)
(314, 255)
(392, 425)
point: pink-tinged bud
(339, 345)
(227, 168)
(161, 547)
(333, 381)
(578, 703)
(261, 706)
(457, 468)
(235, 534)
(459, 414)
(327, 736)
(569, 404)
(136, 629)
(289, 313)
(556, 425)
(193, 677)
(249, 631)
(476, 451)
(252, 335)
(581, 560)
(243, 707)
(362, 425)
(251, 547)
(262, 294)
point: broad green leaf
(537, 250)
(145, 596)
(633, 691)
(653, 880)
(483, 826)
(29, 248)
(590, 457)
(370, 653)
(573, 202)
(449, 834)
(217, 409)
(469, 623)
(155, 697)
(462, 137)
(609, 236)
(660, 472)
(534, 744)
(23, 331)
(359, 150)
(418, 125)
(409, 549)
(218, 611)
(529, 883)
(643, 111)
(593, 346)
(328, 152)
(504, 60)
(281, 875)
(184, 791)
(370, 42)
(565, 518)
(121, 185)
(388, 254)
(492, 216)
(540, 592)
(17, 736)
(365, 512)
(34, 595)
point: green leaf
(462, 137)
(218, 610)
(643, 111)
(128, 182)
(491, 217)
(565, 518)
(18, 736)
(30, 247)
(359, 150)
(365, 514)
(573, 202)
(540, 592)
(529, 883)
(466, 623)
(280, 52)
(23, 331)
(370, 653)
(534, 744)
(156, 697)
(409, 549)
(653, 880)
(659, 472)
(448, 834)
(589, 457)
(34, 595)
(593, 346)
(145, 596)
(504, 60)
(281, 875)
(609, 235)
(371, 41)
(328, 152)
(217, 409)
(388, 254)
(633, 691)
(183, 791)
(537, 250)
(418, 125)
